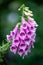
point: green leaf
(3, 49)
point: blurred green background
(9, 16)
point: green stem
(22, 9)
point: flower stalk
(22, 37)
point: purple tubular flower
(14, 32)
(9, 37)
(27, 40)
(24, 39)
(23, 49)
(32, 22)
(13, 49)
(24, 23)
(15, 43)
(22, 34)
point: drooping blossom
(12, 34)
(23, 37)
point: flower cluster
(23, 37)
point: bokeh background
(9, 17)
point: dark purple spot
(19, 39)
(32, 27)
(27, 27)
(26, 48)
(10, 37)
(31, 42)
(15, 41)
(22, 44)
(13, 48)
(29, 32)
(22, 34)
(24, 30)
(24, 25)
(21, 50)
(27, 39)
(13, 33)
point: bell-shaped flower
(9, 37)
